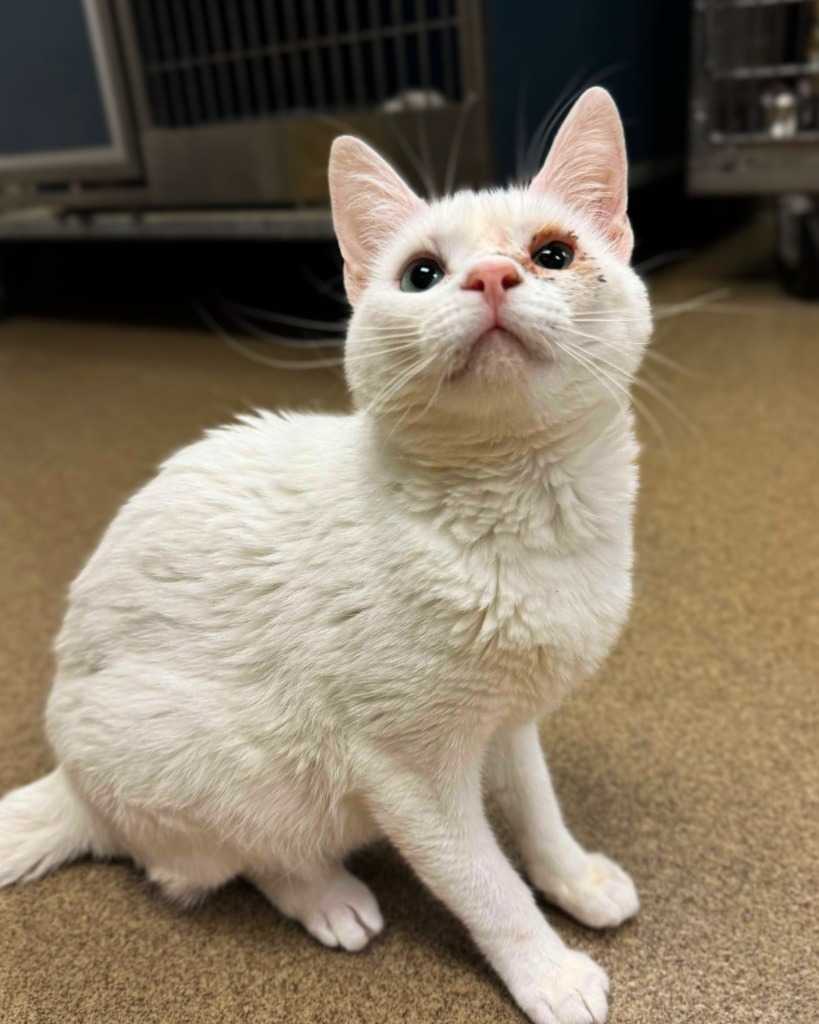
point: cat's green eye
(421, 275)
(553, 255)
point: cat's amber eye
(553, 255)
(421, 275)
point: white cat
(310, 631)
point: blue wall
(49, 96)
(539, 47)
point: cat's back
(191, 547)
(244, 483)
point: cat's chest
(560, 609)
(541, 601)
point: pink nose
(494, 278)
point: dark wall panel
(638, 49)
(49, 94)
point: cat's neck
(548, 487)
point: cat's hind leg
(186, 886)
(333, 905)
(185, 865)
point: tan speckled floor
(693, 758)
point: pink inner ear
(587, 167)
(370, 202)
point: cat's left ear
(370, 202)
(587, 168)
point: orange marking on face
(552, 233)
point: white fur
(310, 631)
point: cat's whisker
(639, 406)
(714, 308)
(384, 331)
(662, 259)
(565, 328)
(654, 378)
(279, 364)
(535, 150)
(258, 334)
(394, 385)
(654, 389)
(580, 357)
(281, 318)
(393, 355)
(400, 421)
(427, 407)
(261, 335)
(422, 133)
(672, 364)
(435, 393)
(328, 288)
(592, 354)
(607, 320)
(457, 141)
(258, 357)
(663, 310)
(643, 410)
(596, 357)
(349, 129)
(530, 164)
(520, 127)
(424, 172)
(387, 346)
(366, 357)
(708, 300)
(421, 365)
(648, 353)
(666, 402)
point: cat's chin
(492, 355)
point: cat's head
(503, 309)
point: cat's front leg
(440, 827)
(588, 886)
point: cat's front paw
(567, 988)
(597, 892)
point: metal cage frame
(754, 115)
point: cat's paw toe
(573, 990)
(337, 909)
(348, 916)
(599, 894)
(340, 926)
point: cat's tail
(42, 826)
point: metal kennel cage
(755, 99)
(755, 118)
(252, 92)
(231, 106)
(222, 61)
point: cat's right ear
(588, 169)
(369, 202)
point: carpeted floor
(692, 758)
